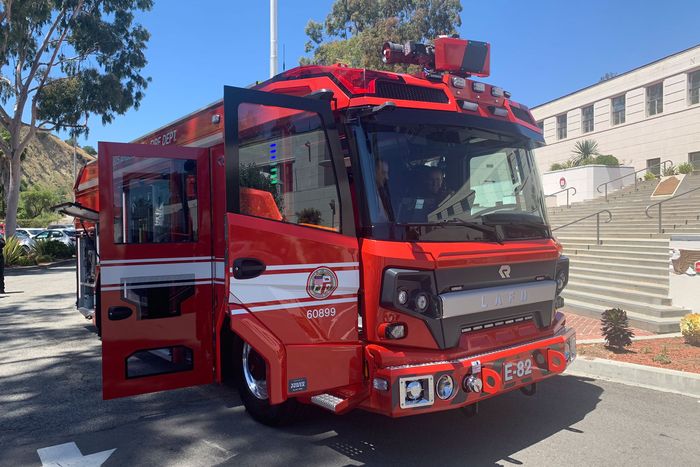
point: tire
(252, 383)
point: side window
(285, 168)
(155, 200)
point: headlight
(445, 387)
(422, 302)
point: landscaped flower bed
(671, 353)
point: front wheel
(253, 390)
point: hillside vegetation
(48, 161)
(47, 167)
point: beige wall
(672, 134)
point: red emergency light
(446, 54)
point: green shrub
(607, 159)
(685, 168)
(44, 258)
(616, 328)
(51, 249)
(309, 216)
(670, 170)
(556, 166)
(26, 261)
(649, 176)
(690, 328)
(41, 221)
(662, 357)
(13, 251)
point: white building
(642, 117)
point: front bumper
(498, 372)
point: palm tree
(584, 150)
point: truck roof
(355, 87)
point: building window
(561, 126)
(694, 159)
(654, 166)
(540, 125)
(587, 119)
(655, 99)
(694, 87)
(618, 110)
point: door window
(285, 168)
(155, 200)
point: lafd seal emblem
(322, 283)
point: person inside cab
(381, 178)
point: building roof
(616, 77)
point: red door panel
(297, 259)
(156, 268)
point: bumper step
(329, 402)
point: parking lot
(50, 396)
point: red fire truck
(333, 236)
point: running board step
(330, 402)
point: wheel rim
(254, 372)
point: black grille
(410, 93)
(521, 114)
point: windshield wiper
(516, 219)
(483, 228)
(487, 229)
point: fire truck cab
(337, 236)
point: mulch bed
(678, 354)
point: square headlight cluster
(410, 291)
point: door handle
(247, 268)
(116, 313)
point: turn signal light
(393, 330)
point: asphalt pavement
(50, 397)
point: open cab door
(155, 268)
(293, 256)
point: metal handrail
(646, 169)
(567, 194)
(597, 223)
(646, 211)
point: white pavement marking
(68, 455)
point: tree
(90, 150)
(38, 200)
(60, 62)
(355, 30)
(583, 151)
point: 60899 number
(320, 313)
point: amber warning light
(446, 54)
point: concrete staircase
(629, 269)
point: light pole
(273, 38)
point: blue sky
(540, 49)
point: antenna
(284, 57)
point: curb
(17, 270)
(634, 339)
(660, 379)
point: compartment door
(156, 268)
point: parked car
(60, 226)
(25, 240)
(65, 236)
(30, 232)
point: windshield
(438, 182)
